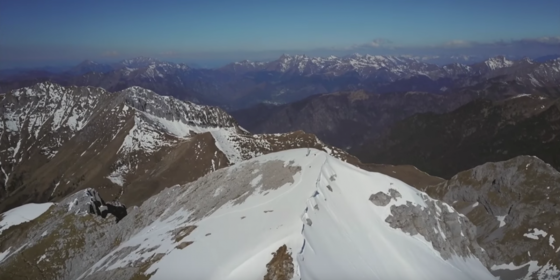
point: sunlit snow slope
(22, 214)
(227, 224)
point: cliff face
(514, 205)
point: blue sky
(47, 32)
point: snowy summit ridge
(296, 214)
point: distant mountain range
(352, 118)
(290, 78)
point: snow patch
(535, 234)
(22, 214)
(501, 219)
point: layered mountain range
(291, 78)
(350, 119)
(134, 185)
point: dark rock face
(481, 131)
(101, 208)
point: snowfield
(227, 224)
(22, 214)
(19, 215)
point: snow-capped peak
(498, 62)
(139, 62)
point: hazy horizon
(38, 33)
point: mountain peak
(140, 61)
(88, 66)
(497, 62)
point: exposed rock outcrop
(515, 206)
(96, 205)
(447, 230)
(281, 267)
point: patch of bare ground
(183, 245)
(182, 232)
(281, 267)
(141, 273)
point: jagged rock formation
(99, 207)
(514, 205)
(455, 235)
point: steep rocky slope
(352, 118)
(481, 131)
(287, 215)
(514, 205)
(343, 119)
(129, 145)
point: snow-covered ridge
(227, 224)
(157, 116)
(175, 110)
(383, 68)
(316, 205)
(335, 66)
(148, 68)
